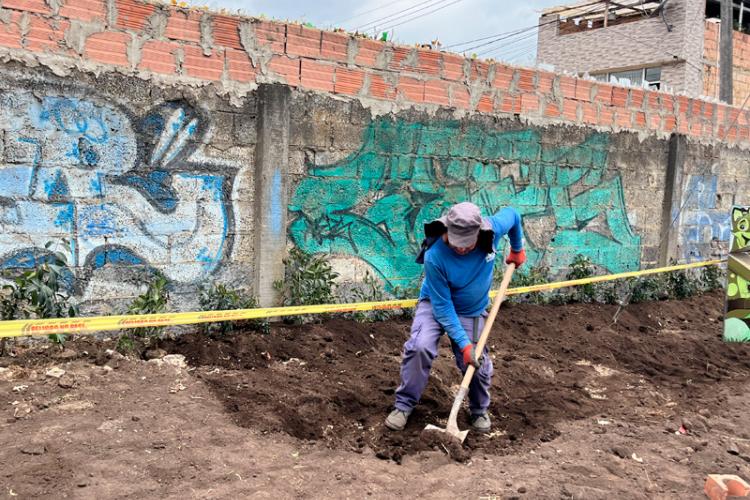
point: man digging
(458, 254)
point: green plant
(609, 292)
(408, 292)
(711, 278)
(308, 280)
(645, 288)
(368, 290)
(581, 268)
(680, 284)
(42, 292)
(152, 301)
(526, 276)
(219, 298)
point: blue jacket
(459, 285)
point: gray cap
(463, 222)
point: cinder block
(19, 151)
(503, 77)
(158, 57)
(429, 62)
(133, 14)
(411, 88)
(335, 46)
(511, 104)
(83, 10)
(380, 87)
(436, 92)
(529, 104)
(317, 76)
(226, 31)
(486, 103)
(39, 6)
(239, 66)
(348, 81)
(552, 110)
(184, 26)
(10, 34)
(721, 486)
(108, 48)
(367, 52)
(568, 87)
(453, 67)
(198, 65)
(459, 96)
(287, 68)
(401, 59)
(46, 34)
(619, 97)
(302, 41)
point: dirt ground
(589, 401)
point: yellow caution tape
(32, 327)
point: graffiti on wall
(373, 204)
(737, 319)
(122, 190)
(704, 227)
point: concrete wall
(202, 146)
(138, 177)
(645, 42)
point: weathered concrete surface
(137, 178)
(271, 173)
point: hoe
(452, 428)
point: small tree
(152, 301)
(40, 293)
(308, 280)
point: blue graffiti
(276, 216)
(705, 229)
(123, 192)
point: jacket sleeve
(442, 304)
(508, 221)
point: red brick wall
(337, 63)
(740, 63)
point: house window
(644, 77)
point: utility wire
(422, 15)
(520, 30)
(506, 45)
(514, 54)
(520, 54)
(396, 15)
(380, 7)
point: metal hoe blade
(452, 427)
(454, 432)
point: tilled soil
(589, 401)
(335, 382)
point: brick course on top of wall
(190, 43)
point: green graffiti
(737, 319)
(373, 204)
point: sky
(449, 21)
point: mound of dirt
(334, 382)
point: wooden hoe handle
(507, 275)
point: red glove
(470, 356)
(517, 258)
